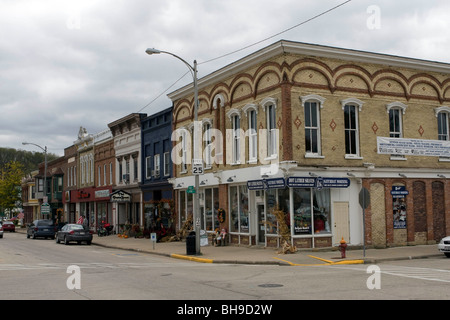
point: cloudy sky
(71, 63)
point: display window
(239, 217)
(311, 211)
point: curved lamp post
(196, 213)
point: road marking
(326, 262)
(428, 274)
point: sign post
(364, 201)
(153, 239)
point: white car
(444, 246)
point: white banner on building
(413, 147)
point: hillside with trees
(30, 160)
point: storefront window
(101, 212)
(271, 205)
(182, 207)
(321, 202)
(307, 201)
(210, 208)
(239, 209)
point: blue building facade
(157, 192)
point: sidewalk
(233, 254)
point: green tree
(10, 190)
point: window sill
(398, 158)
(313, 156)
(444, 159)
(352, 157)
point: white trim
(313, 97)
(352, 101)
(398, 105)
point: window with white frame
(351, 108)
(251, 110)
(166, 164)
(270, 107)
(208, 143)
(395, 123)
(156, 165)
(443, 115)
(311, 106)
(184, 151)
(396, 110)
(236, 150)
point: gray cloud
(66, 64)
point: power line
(277, 34)
(249, 46)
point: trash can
(190, 244)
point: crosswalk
(90, 265)
(429, 274)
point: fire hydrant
(342, 247)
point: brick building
(302, 128)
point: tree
(10, 191)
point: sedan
(444, 246)
(74, 232)
(9, 226)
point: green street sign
(45, 208)
(191, 189)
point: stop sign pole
(364, 201)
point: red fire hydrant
(342, 247)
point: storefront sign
(319, 182)
(120, 196)
(275, 183)
(301, 182)
(102, 193)
(413, 147)
(399, 192)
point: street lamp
(196, 214)
(45, 163)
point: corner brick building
(304, 125)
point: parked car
(9, 226)
(1, 230)
(74, 232)
(444, 246)
(42, 228)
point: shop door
(261, 223)
(341, 228)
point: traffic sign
(364, 198)
(45, 208)
(190, 189)
(197, 166)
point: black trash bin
(190, 244)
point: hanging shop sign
(120, 196)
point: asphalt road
(41, 269)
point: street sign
(197, 166)
(364, 198)
(190, 189)
(45, 208)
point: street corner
(191, 258)
(318, 261)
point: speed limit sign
(197, 166)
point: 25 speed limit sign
(197, 166)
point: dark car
(74, 232)
(9, 226)
(42, 228)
